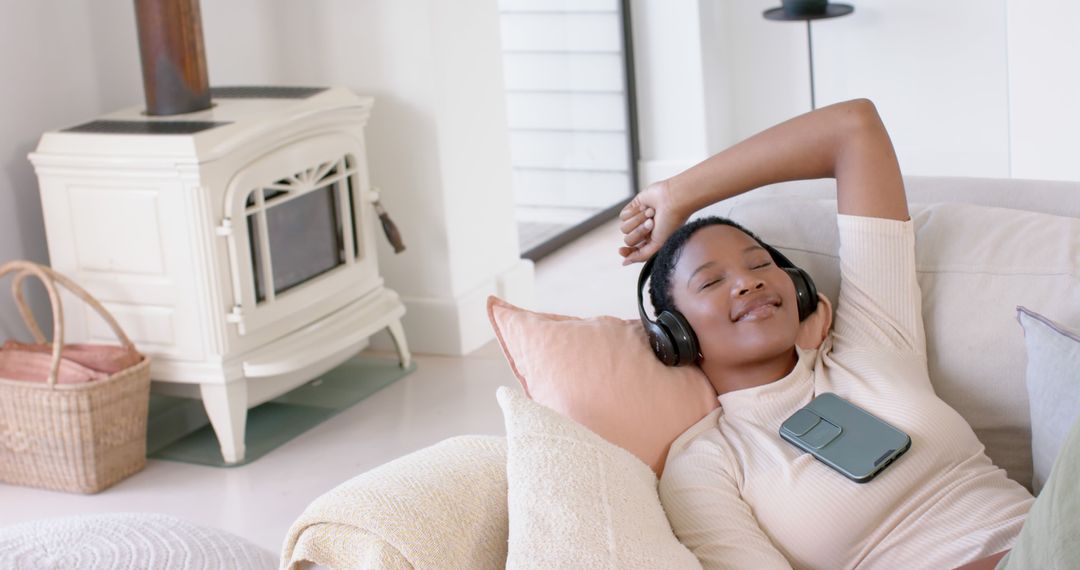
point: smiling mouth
(758, 313)
(763, 307)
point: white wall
(937, 72)
(437, 136)
(62, 63)
(966, 87)
(671, 98)
(718, 96)
(1044, 88)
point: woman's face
(740, 304)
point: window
(569, 94)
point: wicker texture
(71, 437)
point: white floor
(445, 396)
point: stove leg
(226, 404)
(398, 334)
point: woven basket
(71, 437)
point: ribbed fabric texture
(741, 497)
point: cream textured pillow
(975, 265)
(601, 373)
(1053, 384)
(577, 501)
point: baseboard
(458, 326)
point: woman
(739, 496)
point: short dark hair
(668, 256)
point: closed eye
(711, 283)
(708, 284)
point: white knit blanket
(440, 507)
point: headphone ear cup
(805, 291)
(661, 343)
(682, 337)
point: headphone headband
(778, 258)
(646, 271)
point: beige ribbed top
(741, 497)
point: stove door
(297, 244)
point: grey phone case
(845, 437)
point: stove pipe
(173, 58)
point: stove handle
(388, 225)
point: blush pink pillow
(601, 373)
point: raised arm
(846, 141)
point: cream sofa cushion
(975, 265)
(440, 507)
(576, 500)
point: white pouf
(120, 541)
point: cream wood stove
(236, 245)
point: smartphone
(845, 437)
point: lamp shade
(791, 10)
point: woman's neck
(728, 378)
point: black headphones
(673, 339)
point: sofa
(984, 246)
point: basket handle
(78, 291)
(24, 308)
(49, 278)
(54, 299)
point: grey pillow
(1053, 385)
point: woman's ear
(815, 328)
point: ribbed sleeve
(880, 305)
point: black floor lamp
(808, 11)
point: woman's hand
(647, 221)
